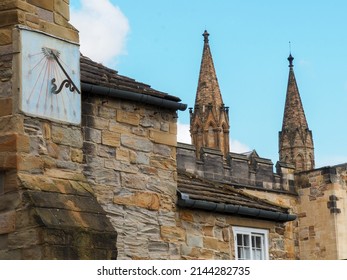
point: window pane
(240, 254)
(256, 241)
(247, 253)
(246, 240)
(239, 239)
(257, 254)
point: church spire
(209, 122)
(295, 139)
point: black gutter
(133, 96)
(186, 202)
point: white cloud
(238, 147)
(183, 136)
(103, 29)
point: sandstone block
(11, 4)
(7, 222)
(62, 8)
(77, 155)
(59, 31)
(5, 36)
(223, 247)
(92, 135)
(44, 4)
(5, 105)
(173, 128)
(210, 243)
(150, 201)
(120, 128)
(186, 216)
(96, 122)
(23, 239)
(8, 160)
(14, 143)
(208, 231)
(30, 163)
(123, 155)
(67, 136)
(11, 17)
(11, 124)
(112, 139)
(137, 143)
(172, 234)
(46, 131)
(161, 137)
(195, 241)
(128, 117)
(202, 254)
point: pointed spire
(294, 115)
(208, 91)
(295, 139)
(209, 122)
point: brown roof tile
(206, 190)
(97, 74)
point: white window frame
(263, 234)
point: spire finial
(290, 59)
(206, 34)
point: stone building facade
(116, 184)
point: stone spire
(209, 122)
(295, 139)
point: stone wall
(47, 208)
(322, 213)
(49, 16)
(204, 235)
(130, 154)
(244, 170)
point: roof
(97, 74)
(222, 195)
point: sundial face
(49, 64)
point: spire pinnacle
(209, 121)
(295, 139)
(206, 35)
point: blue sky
(159, 42)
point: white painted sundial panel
(39, 68)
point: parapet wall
(244, 170)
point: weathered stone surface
(195, 241)
(110, 138)
(7, 222)
(8, 160)
(137, 143)
(172, 234)
(67, 136)
(5, 105)
(128, 117)
(163, 137)
(11, 125)
(150, 201)
(77, 155)
(14, 143)
(45, 4)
